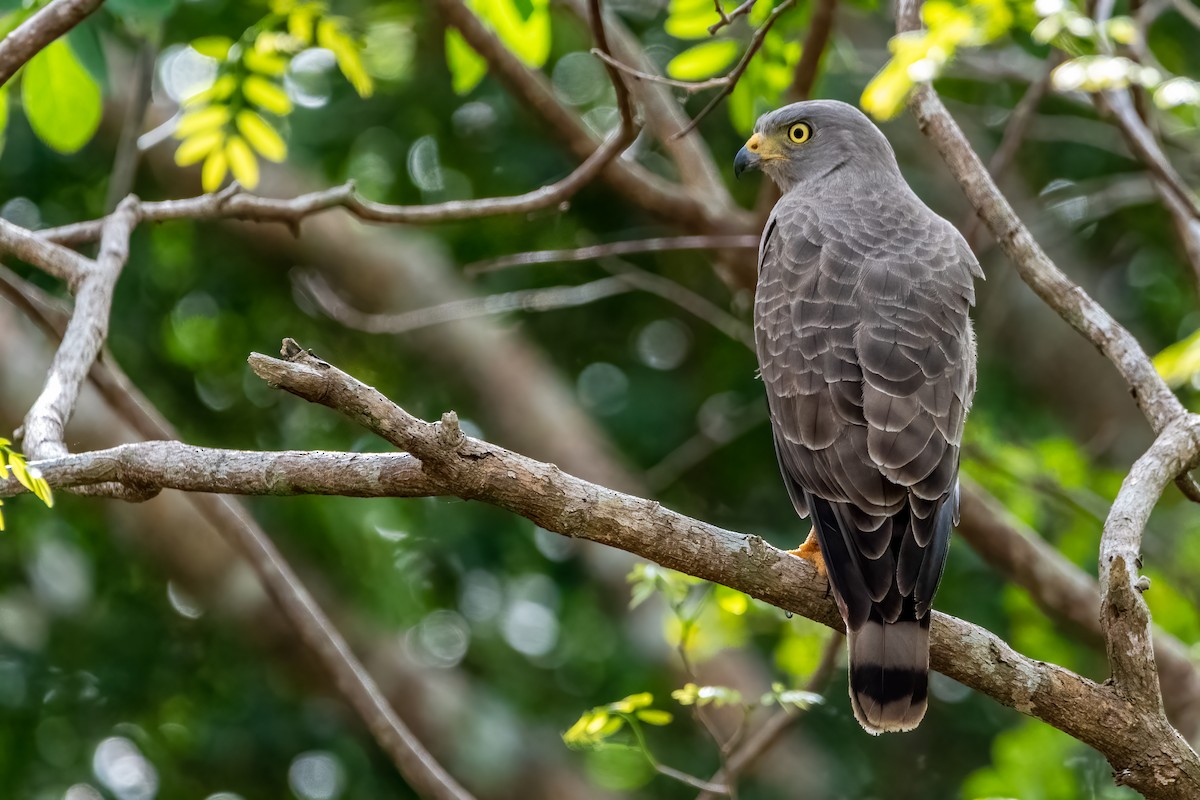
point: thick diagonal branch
(1130, 737)
(83, 339)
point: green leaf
(267, 95)
(198, 146)
(653, 716)
(242, 162)
(17, 464)
(331, 35)
(1179, 362)
(212, 174)
(213, 46)
(270, 64)
(261, 135)
(527, 36)
(690, 19)
(84, 41)
(3, 129)
(703, 61)
(61, 100)
(467, 67)
(202, 119)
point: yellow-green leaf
(42, 489)
(61, 99)
(212, 175)
(264, 63)
(467, 68)
(221, 89)
(261, 135)
(17, 464)
(690, 19)
(242, 162)
(196, 147)
(732, 601)
(213, 46)
(201, 119)
(300, 24)
(1179, 362)
(332, 36)
(653, 716)
(703, 61)
(267, 95)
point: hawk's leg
(811, 551)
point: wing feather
(866, 351)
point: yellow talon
(811, 551)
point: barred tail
(889, 672)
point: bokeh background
(140, 659)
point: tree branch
(623, 248)
(234, 203)
(83, 339)
(635, 183)
(820, 28)
(1124, 616)
(35, 33)
(1069, 300)
(1143, 748)
(1069, 595)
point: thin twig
(768, 735)
(125, 164)
(623, 248)
(728, 18)
(1014, 134)
(695, 304)
(691, 87)
(530, 300)
(739, 69)
(701, 445)
(638, 185)
(237, 204)
(82, 340)
(816, 41)
(1178, 198)
(624, 101)
(35, 33)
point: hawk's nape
(866, 351)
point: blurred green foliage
(109, 658)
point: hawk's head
(811, 141)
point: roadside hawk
(866, 350)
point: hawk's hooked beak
(748, 157)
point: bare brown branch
(1124, 615)
(548, 298)
(83, 339)
(1070, 596)
(1146, 752)
(32, 35)
(624, 248)
(233, 203)
(636, 184)
(816, 41)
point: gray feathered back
(866, 350)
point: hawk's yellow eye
(799, 133)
